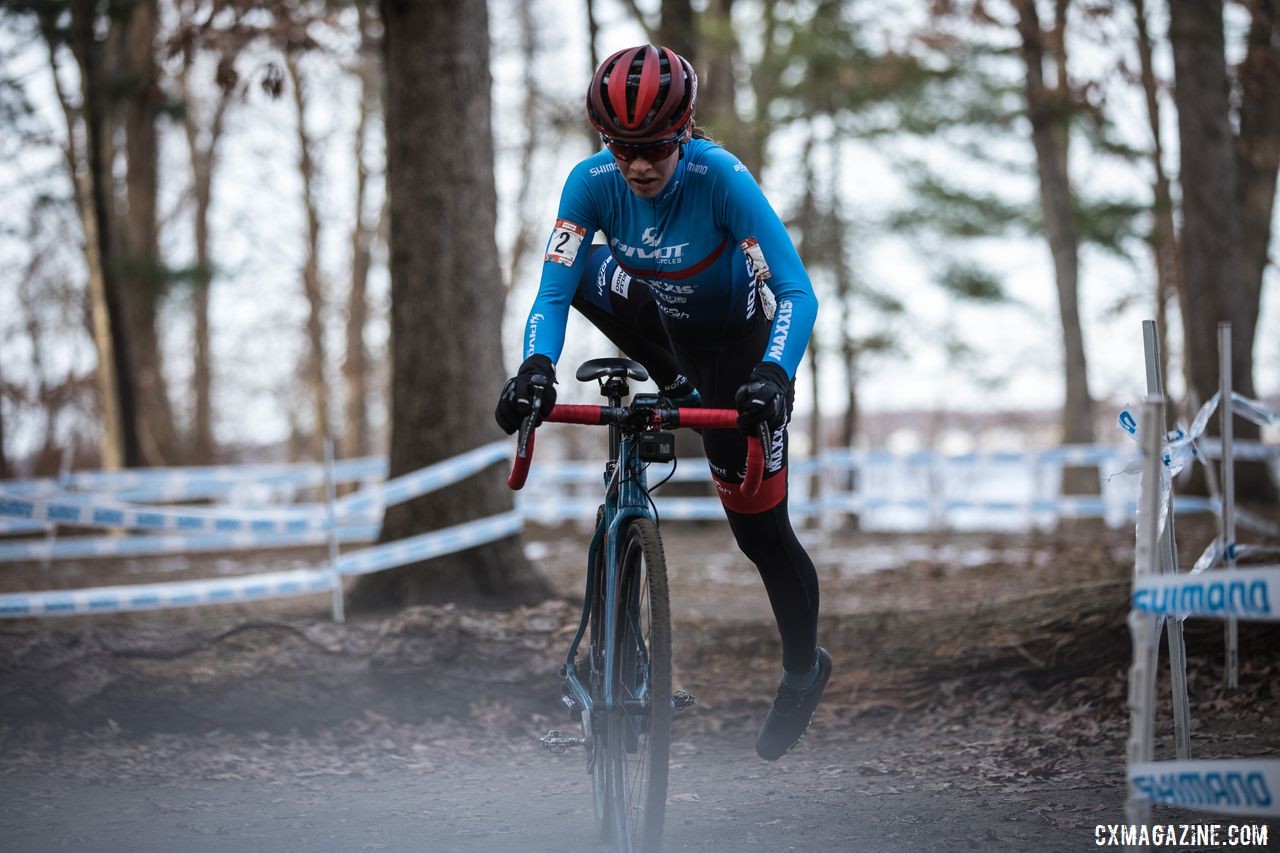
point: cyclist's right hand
(517, 395)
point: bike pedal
(682, 699)
(556, 742)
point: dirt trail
(977, 704)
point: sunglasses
(652, 151)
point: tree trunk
(717, 86)
(765, 83)
(312, 286)
(357, 440)
(94, 189)
(1215, 281)
(5, 473)
(143, 273)
(446, 300)
(203, 156)
(1258, 146)
(678, 28)
(1046, 110)
(1164, 239)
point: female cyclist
(699, 282)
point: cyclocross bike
(619, 688)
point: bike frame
(626, 497)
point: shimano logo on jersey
(663, 255)
(699, 168)
(1208, 597)
(534, 320)
(651, 237)
(781, 329)
(597, 171)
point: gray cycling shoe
(791, 714)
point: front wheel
(639, 743)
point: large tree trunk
(1258, 145)
(446, 300)
(94, 189)
(717, 88)
(1047, 112)
(143, 272)
(1215, 282)
(678, 28)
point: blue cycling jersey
(704, 248)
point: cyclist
(700, 283)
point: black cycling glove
(517, 394)
(763, 397)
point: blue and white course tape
(195, 593)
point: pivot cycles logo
(1211, 596)
(651, 237)
(533, 334)
(661, 254)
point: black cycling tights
(630, 317)
(767, 540)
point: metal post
(64, 477)
(1142, 625)
(330, 496)
(1228, 494)
(1168, 555)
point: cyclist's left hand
(763, 397)
(516, 400)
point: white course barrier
(195, 593)
(1162, 596)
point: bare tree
(678, 28)
(446, 298)
(1164, 238)
(144, 275)
(357, 440)
(1216, 283)
(202, 136)
(1049, 109)
(88, 167)
(312, 285)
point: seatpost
(614, 388)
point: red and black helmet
(642, 94)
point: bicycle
(620, 692)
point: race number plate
(565, 240)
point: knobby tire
(637, 746)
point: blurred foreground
(978, 702)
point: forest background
(198, 249)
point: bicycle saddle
(619, 368)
